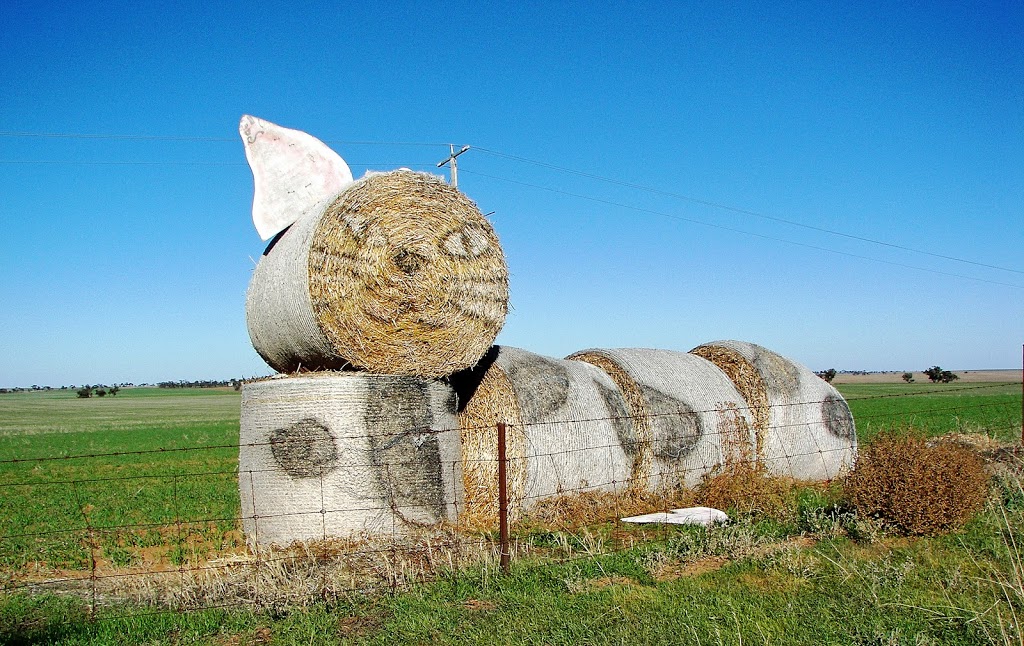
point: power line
(75, 162)
(735, 230)
(542, 164)
(122, 137)
(734, 209)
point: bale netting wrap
(400, 274)
(688, 417)
(345, 455)
(566, 425)
(804, 426)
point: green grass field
(795, 581)
(936, 409)
(153, 496)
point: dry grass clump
(747, 488)
(573, 511)
(917, 487)
(302, 574)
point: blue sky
(125, 257)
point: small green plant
(917, 487)
(908, 377)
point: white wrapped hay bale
(688, 418)
(566, 428)
(396, 273)
(344, 454)
(804, 426)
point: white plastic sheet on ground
(706, 516)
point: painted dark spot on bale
(675, 427)
(305, 449)
(779, 374)
(541, 386)
(622, 421)
(404, 450)
(835, 414)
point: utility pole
(454, 164)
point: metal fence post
(502, 500)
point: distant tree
(101, 393)
(827, 375)
(84, 392)
(908, 377)
(937, 374)
(114, 390)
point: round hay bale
(566, 425)
(803, 425)
(343, 454)
(400, 274)
(688, 416)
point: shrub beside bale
(917, 487)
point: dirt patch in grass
(671, 571)
(478, 605)
(359, 625)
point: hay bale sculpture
(379, 301)
(687, 417)
(803, 426)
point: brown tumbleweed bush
(916, 487)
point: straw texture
(689, 417)
(341, 454)
(804, 426)
(566, 428)
(400, 274)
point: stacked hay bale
(400, 274)
(803, 426)
(397, 276)
(334, 454)
(687, 416)
(567, 431)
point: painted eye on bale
(467, 243)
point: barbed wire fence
(129, 544)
